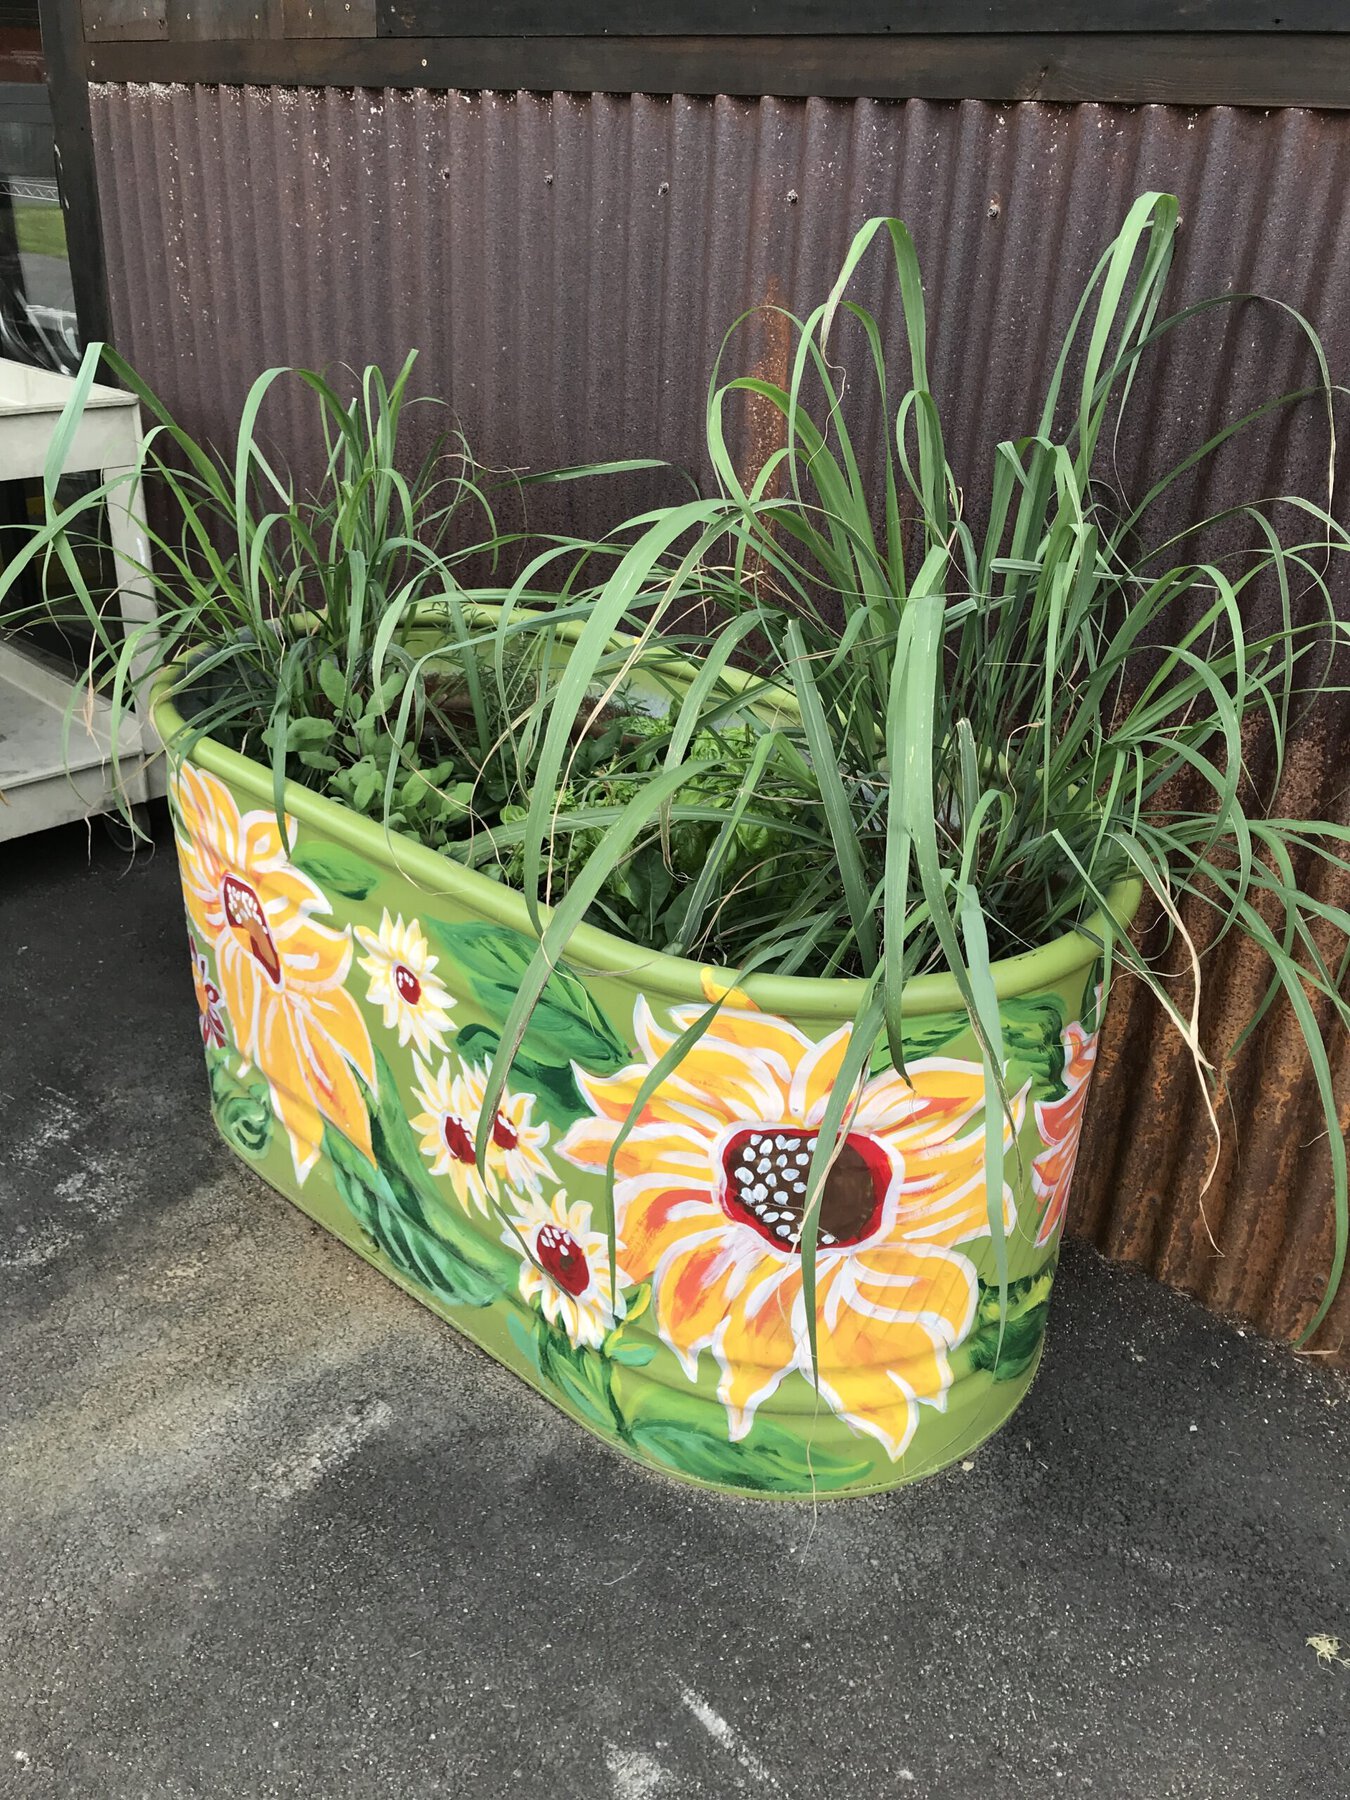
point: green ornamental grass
(898, 742)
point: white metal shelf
(55, 735)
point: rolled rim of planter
(673, 978)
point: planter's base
(992, 1404)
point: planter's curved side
(349, 1016)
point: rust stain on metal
(567, 267)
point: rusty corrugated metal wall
(567, 266)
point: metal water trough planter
(352, 986)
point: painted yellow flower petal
(280, 972)
(259, 843)
(940, 1104)
(742, 1086)
(681, 1155)
(756, 1350)
(774, 1039)
(895, 1286)
(338, 1016)
(874, 1401)
(944, 1200)
(612, 1097)
(734, 996)
(816, 1073)
(654, 1218)
(692, 1299)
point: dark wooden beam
(844, 18)
(65, 51)
(1187, 69)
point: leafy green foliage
(967, 730)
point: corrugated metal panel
(567, 267)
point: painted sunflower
(564, 1266)
(710, 1188)
(453, 1105)
(404, 983)
(281, 971)
(1060, 1123)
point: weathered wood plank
(839, 18)
(328, 18)
(1195, 70)
(123, 21)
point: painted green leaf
(336, 870)
(244, 1113)
(931, 1036)
(554, 1084)
(1024, 1327)
(525, 1337)
(582, 1375)
(634, 1354)
(1033, 1038)
(769, 1461)
(415, 1192)
(417, 1253)
(566, 1025)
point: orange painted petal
(691, 1297)
(756, 1348)
(648, 1149)
(656, 1215)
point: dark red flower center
(245, 912)
(504, 1134)
(562, 1259)
(458, 1139)
(409, 987)
(765, 1186)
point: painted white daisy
(565, 1266)
(453, 1105)
(403, 981)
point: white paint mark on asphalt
(635, 1774)
(326, 1448)
(725, 1738)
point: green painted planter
(351, 995)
